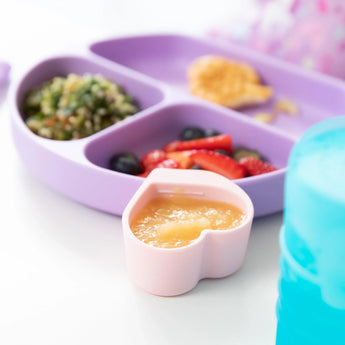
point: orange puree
(171, 222)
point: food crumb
(265, 117)
(286, 106)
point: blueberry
(196, 167)
(211, 133)
(191, 133)
(126, 163)
(223, 152)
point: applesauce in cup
(176, 221)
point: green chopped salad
(76, 106)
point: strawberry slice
(182, 157)
(256, 166)
(167, 163)
(152, 158)
(218, 163)
(221, 142)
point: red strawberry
(221, 142)
(256, 166)
(167, 163)
(182, 157)
(152, 158)
(219, 163)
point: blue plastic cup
(311, 304)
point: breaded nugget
(226, 82)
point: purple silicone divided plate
(153, 70)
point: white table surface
(62, 271)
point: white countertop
(62, 271)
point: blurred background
(304, 32)
(31, 29)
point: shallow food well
(167, 57)
(153, 70)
